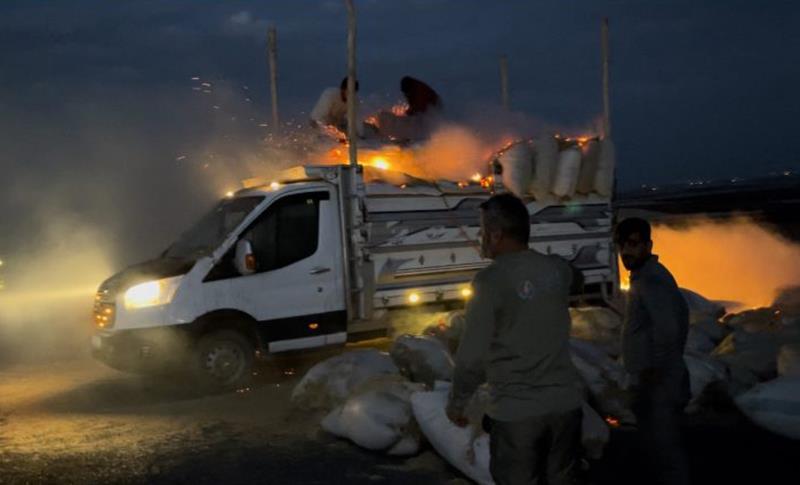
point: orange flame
(400, 109)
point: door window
(287, 233)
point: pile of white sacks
(392, 402)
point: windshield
(209, 232)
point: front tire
(224, 360)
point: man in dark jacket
(516, 338)
(653, 340)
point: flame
(451, 153)
(624, 277)
(400, 109)
(334, 132)
(380, 162)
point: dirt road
(79, 422)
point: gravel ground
(80, 422)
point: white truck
(321, 257)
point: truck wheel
(224, 360)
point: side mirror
(245, 260)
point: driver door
(296, 292)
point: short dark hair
(507, 213)
(343, 84)
(630, 226)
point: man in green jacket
(516, 338)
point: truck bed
(426, 243)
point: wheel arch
(227, 319)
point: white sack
(517, 167)
(755, 320)
(603, 377)
(712, 329)
(333, 380)
(422, 359)
(698, 341)
(701, 308)
(775, 405)
(703, 370)
(378, 417)
(458, 446)
(597, 324)
(569, 166)
(788, 301)
(789, 360)
(589, 166)
(757, 352)
(469, 452)
(604, 180)
(544, 167)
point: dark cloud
(98, 103)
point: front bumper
(143, 350)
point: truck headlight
(152, 293)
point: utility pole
(606, 100)
(272, 52)
(351, 82)
(504, 82)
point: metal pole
(351, 81)
(606, 101)
(504, 81)
(273, 72)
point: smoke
(46, 302)
(736, 260)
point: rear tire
(224, 360)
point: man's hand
(456, 416)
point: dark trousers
(538, 450)
(661, 440)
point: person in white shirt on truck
(331, 108)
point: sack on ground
(597, 324)
(604, 377)
(422, 359)
(378, 417)
(789, 360)
(701, 308)
(333, 380)
(774, 405)
(757, 352)
(699, 341)
(703, 370)
(467, 448)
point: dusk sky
(97, 104)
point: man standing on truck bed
(653, 340)
(331, 108)
(516, 337)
